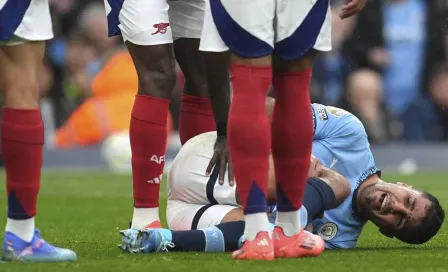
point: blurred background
(388, 66)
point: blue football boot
(146, 241)
(38, 250)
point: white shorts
(254, 29)
(186, 216)
(153, 22)
(186, 18)
(20, 23)
(189, 189)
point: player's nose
(399, 208)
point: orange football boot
(261, 248)
(303, 244)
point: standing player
(252, 30)
(205, 99)
(24, 28)
(146, 30)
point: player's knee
(340, 188)
(303, 63)
(263, 61)
(157, 80)
(234, 215)
(156, 70)
(322, 192)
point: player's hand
(221, 156)
(351, 8)
(315, 167)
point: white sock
(255, 223)
(289, 222)
(144, 216)
(24, 229)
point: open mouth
(381, 202)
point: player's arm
(318, 173)
(218, 82)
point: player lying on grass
(326, 189)
(340, 142)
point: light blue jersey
(340, 142)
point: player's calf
(148, 129)
(196, 114)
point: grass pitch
(85, 211)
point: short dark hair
(429, 226)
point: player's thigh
(186, 216)
(192, 63)
(301, 26)
(186, 18)
(19, 67)
(246, 27)
(144, 26)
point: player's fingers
(222, 169)
(348, 13)
(211, 164)
(231, 176)
(350, 5)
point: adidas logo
(263, 242)
(155, 180)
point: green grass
(85, 211)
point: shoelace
(164, 246)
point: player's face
(394, 206)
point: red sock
(22, 143)
(148, 143)
(196, 117)
(292, 136)
(249, 136)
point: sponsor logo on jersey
(337, 111)
(328, 231)
(322, 113)
(160, 28)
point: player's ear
(387, 233)
(404, 185)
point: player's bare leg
(22, 148)
(249, 144)
(206, 98)
(155, 67)
(196, 114)
(292, 136)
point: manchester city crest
(328, 231)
